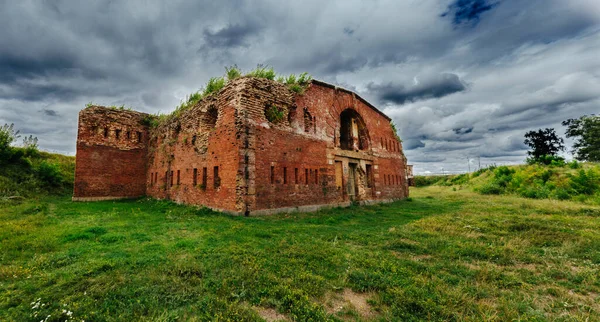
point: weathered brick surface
(109, 166)
(308, 156)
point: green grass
(570, 181)
(441, 255)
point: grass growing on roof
(442, 255)
(295, 83)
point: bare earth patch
(270, 315)
(350, 300)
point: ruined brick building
(254, 147)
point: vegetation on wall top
(295, 83)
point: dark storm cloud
(15, 67)
(435, 87)
(529, 64)
(468, 11)
(50, 112)
(232, 35)
(411, 144)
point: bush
(49, 173)
(552, 160)
(585, 182)
(491, 188)
(262, 71)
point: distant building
(255, 147)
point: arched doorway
(354, 135)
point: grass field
(441, 255)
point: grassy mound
(571, 181)
(30, 173)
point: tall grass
(562, 181)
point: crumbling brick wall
(231, 152)
(111, 154)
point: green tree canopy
(586, 131)
(544, 143)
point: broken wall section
(111, 154)
(194, 156)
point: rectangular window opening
(105, 132)
(217, 179)
(195, 178)
(296, 175)
(305, 176)
(128, 135)
(285, 181)
(171, 178)
(118, 134)
(178, 177)
(204, 177)
(139, 136)
(272, 175)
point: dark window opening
(128, 135)
(316, 176)
(296, 175)
(171, 178)
(217, 179)
(194, 139)
(308, 121)
(209, 119)
(272, 175)
(353, 131)
(118, 134)
(178, 177)
(105, 132)
(139, 136)
(369, 174)
(195, 178)
(204, 177)
(291, 115)
(306, 176)
(285, 175)
(151, 178)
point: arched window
(209, 119)
(353, 131)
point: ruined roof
(324, 84)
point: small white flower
(69, 313)
(64, 311)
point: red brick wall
(245, 146)
(287, 144)
(173, 148)
(109, 166)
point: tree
(586, 131)
(545, 145)
(7, 136)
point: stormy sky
(462, 79)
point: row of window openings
(390, 145)
(127, 134)
(390, 179)
(309, 176)
(170, 177)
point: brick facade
(327, 146)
